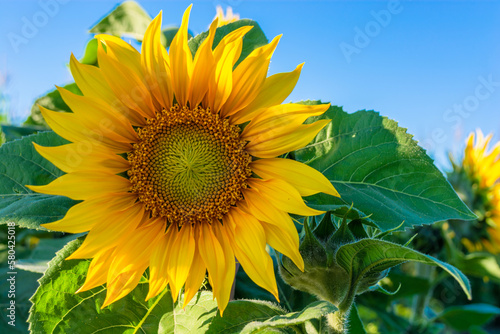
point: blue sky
(433, 66)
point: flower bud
(322, 276)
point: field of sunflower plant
(170, 190)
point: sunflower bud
(322, 276)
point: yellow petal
(307, 180)
(115, 228)
(123, 283)
(249, 77)
(159, 262)
(263, 210)
(181, 61)
(76, 157)
(224, 292)
(126, 84)
(212, 255)
(181, 259)
(92, 84)
(281, 119)
(98, 270)
(83, 185)
(85, 215)
(202, 69)
(67, 125)
(131, 258)
(226, 54)
(122, 52)
(284, 243)
(249, 245)
(195, 278)
(283, 196)
(270, 146)
(94, 114)
(226, 43)
(282, 234)
(155, 63)
(274, 91)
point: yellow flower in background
(167, 178)
(482, 167)
(227, 18)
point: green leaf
(253, 316)
(479, 265)
(369, 256)
(12, 132)
(168, 35)
(477, 330)
(46, 249)
(58, 309)
(355, 325)
(375, 165)
(52, 101)
(126, 19)
(251, 41)
(21, 165)
(464, 317)
(195, 318)
(26, 284)
(90, 54)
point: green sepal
(325, 228)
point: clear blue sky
(432, 66)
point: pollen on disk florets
(189, 165)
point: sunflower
(229, 17)
(168, 176)
(482, 169)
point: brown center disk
(189, 165)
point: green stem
(337, 322)
(421, 301)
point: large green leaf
(57, 309)
(376, 166)
(45, 251)
(195, 318)
(25, 286)
(479, 265)
(355, 325)
(252, 40)
(168, 34)
(52, 101)
(254, 316)
(21, 165)
(90, 53)
(464, 317)
(126, 19)
(369, 256)
(12, 132)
